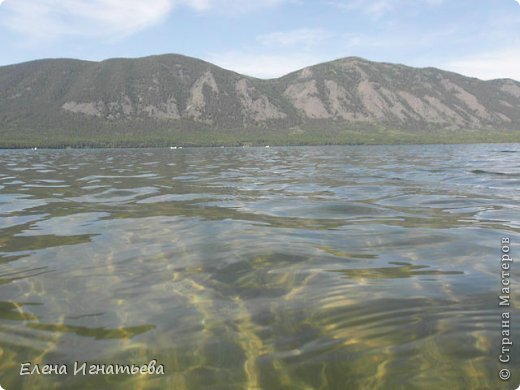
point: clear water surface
(348, 267)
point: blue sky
(269, 38)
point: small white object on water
(173, 147)
(267, 146)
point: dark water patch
(14, 276)
(14, 311)
(36, 242)
(484, 172)
(97, 333)
(402, 270)
(84, 316)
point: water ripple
(282, 268)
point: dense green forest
(132, 136)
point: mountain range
(166, 99)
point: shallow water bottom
(284, 268)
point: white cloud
(47, 19)
(300, 37)
(229, 6)
(263, 65)
(199, 5)
(486, 66)
(114, 19)
(518, 1)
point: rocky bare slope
(353, 89)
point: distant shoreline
(193, 137)
(241, 147)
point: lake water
(348, 267)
